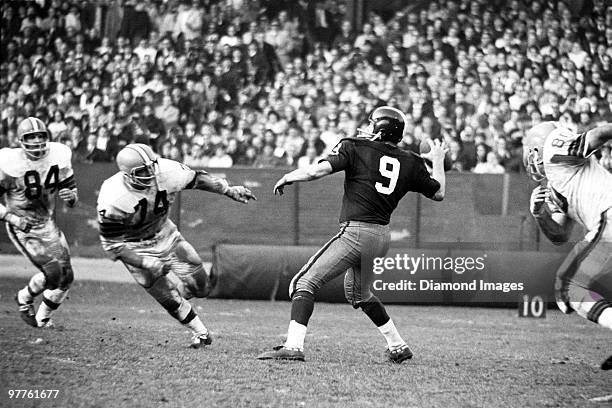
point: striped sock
(52, 299)
(189, 318)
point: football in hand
(424, 148)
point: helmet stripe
(33, 124)
(143, 154)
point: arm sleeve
(341, 156)
(565, 147)
(422, 182)
(66, 176)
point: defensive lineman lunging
(30, 178)
(574, 187)
(134, 228)
(377, 175)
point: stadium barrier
(265, 272)
(479, 212)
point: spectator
(89, 151)
(309, 158)
(490, 165)
(267, 159)
(221, 159)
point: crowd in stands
(279, 83)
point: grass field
(117, 348)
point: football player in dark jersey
(377, 175)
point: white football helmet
(33, 136)
(138, 163)
(533, 149)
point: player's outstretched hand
(240, 194)
(25, 224)
(539, 195)
(437, 151)
(279, 187)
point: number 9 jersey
(377, 176)
(31, 185)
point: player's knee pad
(67, 277)
(353, 291)
(306, 284)
(166, 294)
(53, 273)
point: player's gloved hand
(155, 265)
(68, 195)
(437, 151)
(538, 199)
(279, 187)
(240, 194)
(25, 224)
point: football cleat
(26, 310)
(607, 365)
(46, 324)
(399, 354)
(282, 353)
(201, 340)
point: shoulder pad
(12, 162)
(60, 154)
(114, 197)
(173, 176)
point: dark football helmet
(386, 124)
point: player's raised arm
(312, 172)
(596, 138)
(204, 181)
(437, 154)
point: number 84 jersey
(31, 185)
(126, 214)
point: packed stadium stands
(278, 83)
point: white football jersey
(127, 214)
(579, 185)
(30, 186)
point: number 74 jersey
(31, 185)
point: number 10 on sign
(532, 306)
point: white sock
(36, 285)
(393, 338)
(605, 319)
(295, 335)
(196, 326)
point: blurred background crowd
(279, 82)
